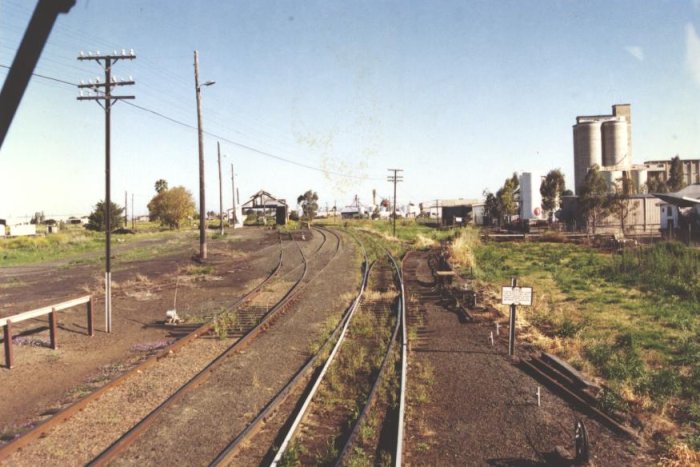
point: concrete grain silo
(611, 178)
(588, 149)
(615, 144)
(639, 178)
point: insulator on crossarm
(131, 52)
(82, 54)
(123, 53)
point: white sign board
(516, 296)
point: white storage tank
(530, 197)
(587, 149)
(615, 144)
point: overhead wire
(220, 137)
(66, 37)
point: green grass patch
(631, 318)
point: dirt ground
(45, 380)
(480, 409)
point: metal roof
(685, 198)
(263, 199)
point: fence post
(52, 328)
(7, 334)
(90, 326)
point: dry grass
(423, 243)
(370, 296)
(680, 455)
(462, 249)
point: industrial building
(605, 140)
(644, 217)
(661, 169)
(457, 211)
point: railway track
(343, 414)
(261, 289)
(250, 446)
(170, 433)
(42, 429)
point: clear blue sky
(458, 94)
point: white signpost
(513, 296)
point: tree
(619, 201)
(38, 218)
(491, 207)
(161, 185)
(593, 197)
(656, 185)
(96, 219)
(675, 175)
(171, 207)
(552, 189)
(309, 204)
(507, 196)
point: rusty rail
(228, 454)
(135, 432)
(65, 414)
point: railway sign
(516, 296)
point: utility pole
(221, 195)
(132, 213)
(233, 194)
(396, 178)
(202, 203)
(126, 210)
(102, 94)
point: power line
(222, 138)
(45, 77)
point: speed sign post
(514, 296)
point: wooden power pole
(221, 195)
(395, 179)
(200, 138)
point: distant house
(451, 211)
(16, 227)
(264, 203)
(356, 210)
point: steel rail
(398, 459)
(371, 398)
(373, 391)
(137, 430)
(64, 415)
(228, 454)
(314, 388)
